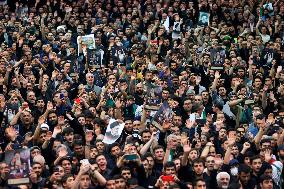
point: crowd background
(57, 96)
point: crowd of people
(217, 65)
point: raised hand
(41, 120)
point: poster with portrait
(153, 94)
(19, 163)
(95, 57)
(113, 131)
(269, 8)
(88, 40)
(203, 19)
(217, 57)
(163, 114)
(267, 56)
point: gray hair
(218, 177)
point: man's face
(26, 117)
(224, 181)
(128, 125)
(193, 155)
(111, 184)
(93, 152)
(53, 119)
(222, 133)
(159, 154)
(151, 162)
(267, 184)
(66, 164)
(82, 120)
(40, 104)
(115, 151)
(69, 183)
(177, 121)
(102, 163)
(4, 169)
(198, 168)
(69, 137)
(146, 137)
(85, 181)
(120, 183)
(235, 151)
(170, 171)
(244, 178)
(200, 185)
(100, 147)
(210, 163)
(187, 105)
(205, 96)
(126, 174)
(256, 165)
(37, 168)
(260, 123)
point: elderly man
(223, 180)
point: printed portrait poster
(217, 57)
(95, 57)
(203, 19)
(153, 94)
(19, 163)
(164, 113)
(113, 131)
(88, 40)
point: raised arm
(146, 146)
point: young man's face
(110, 184)
(69, 183)
(244, 177)
(256, 165)
(267, 184)
(170, 170)
(198, 168)
(85, 181)
(69, 137)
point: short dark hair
(264, 141)
(158, 147)
(65, 177)
(197, 180)
(198, 160)
(243, 168)
(260, 116)
(118, 177)
(132, 181)
(264, 177)
(255, 157)
(169, 164)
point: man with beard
(245, 178)
(52, 119)
(138, 95)
(186, 110)
(36, 176)
(4, 173)
(25, 120)
(223, 180)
